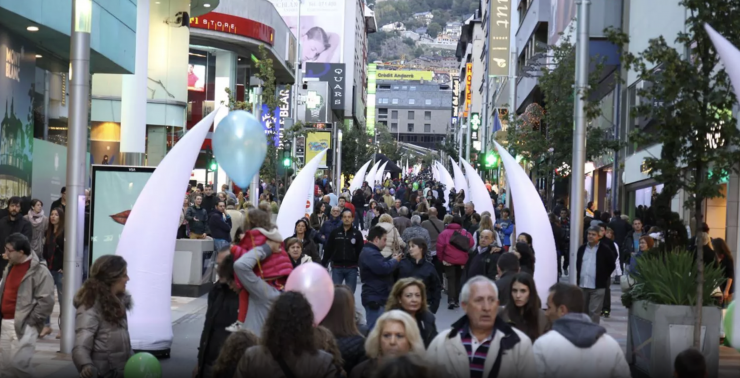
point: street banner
(317, 141)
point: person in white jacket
(481, 344)
(576, 347)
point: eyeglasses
(8, 250)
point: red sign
(227, 23)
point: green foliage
(544, 136)
(434, 29)
(387, 143)
(409, 42)
(666, 278)
(418, 52)
(356, 150)
(690, 101)
(448, 146)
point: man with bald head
(435, 227)
(493, 348)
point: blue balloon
(240, 146)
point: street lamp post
(79, 96)
(579, 135)
(254, 191)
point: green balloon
(727, 322)
(142, 365)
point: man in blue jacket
(377, 275)
(330, 225)
(220, 225)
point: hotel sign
(499, 17)
(468, 89)
(226, 23)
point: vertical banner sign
(474, 126)
(271, 123)
(316, 102)
(455, 96)
(316, 142)
(498, 37)
(284, 95)
(334, 74)
(468, 84)
(371, 72)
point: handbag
(459, 241)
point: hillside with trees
(390, 45)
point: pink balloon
(313, 281)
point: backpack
(459, 241)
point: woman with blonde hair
(486, 223)
(394, 243)
(409, 294)
(447, 219)
(395, 334)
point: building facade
(415, 112)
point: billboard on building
(405, 75)
(371, 78)
(563, 12)
(322, 27)
(196, 77)
(17, 78)
(335, 75)
(499, 28)
(316, 142)
(316, 102)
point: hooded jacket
(201, 225)
(223, 306)
(425, 271)
(105, 346)
(576, 347)
(220, 228)
(446, 252)
(516, 359)
(35, 298)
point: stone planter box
(656, 334)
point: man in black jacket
(61, 201)
(219, 222)
(343, 251)
(595, 263)
(223, 307)
(620, 226)
(508, 266)
(14, 222)
(210, 199)
(484, 258)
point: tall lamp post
(579, 135)
(79, 109)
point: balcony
(538, 13)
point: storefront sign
(474, 125)
(227, 23)
(498, 37)
(284, 96)
(406, 75)
(334, 74)
(316, 109)
(455, 96)
(468, 84)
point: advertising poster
(316, 142)
(271, 124)
(196, 77)
(322, 27)
(17, 78)
(334, 74)
(498, 39)
(405, 75)
(49, 172)
(316, 102)
(115, 190)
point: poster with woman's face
(321, 29)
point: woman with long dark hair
(302, 232)
(341, 321)
(102, 344)
(416, 265)
(232, 351)
(54, 256)
(288, 346)
(524, 310)
(318, 216)
(724, 256)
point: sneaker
(235, 327)
(605, 314)
(451, 306)
(457, 304)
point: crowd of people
(403, 240)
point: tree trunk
(700, 271)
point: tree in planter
(544, 136)
(690, 100)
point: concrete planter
(656, 334)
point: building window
(427, 128)
(395, 101)
(384, 87)
(396, 87)
(412, 88)
(383, 111)
(427, 116)
(411, 114)
(404, 87)
(411, 127)
(412, 101)
(394, 126)
(384, 123)
(394, 114)
(428, 101)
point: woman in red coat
(453, 252)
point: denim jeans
(57, 276)
(219, 243)
(372, 316)
(358, 221)
(342, 275)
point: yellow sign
(405, 75)
(316, 142)
(468, 85)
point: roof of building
(401, 90)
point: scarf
(36, 218)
